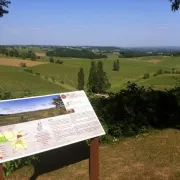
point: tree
(173, 70)
(91, 85)
(51, 60)
(33, 57)
(102, 83)
(58, 102)
(116, 65)
(146, 76)
(175, 5)
(81, 79)
(4, 3)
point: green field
(130, 70)
(14, 79)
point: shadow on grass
(58, 158)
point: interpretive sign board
(37, 124)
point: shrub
(51, 60)
(159, 72)
(37, 74)
(137, 109)
(62, 82)
(22, 64)
(146, 76)
(59, 62)
(167, 72)
(29, 70)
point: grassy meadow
(152, 156)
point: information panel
(33, 125)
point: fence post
(94, 159)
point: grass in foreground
(153, 156)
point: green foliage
(59, 62)
(33, 57)
(102, 83)
(23, 64)
(81, 79)
(97, 80)
(51, 60)
(137, 109)
(160, 71)
(173, 70)
(146, 76)
(75, 53)
(92, 79)
(10, 166)
(28, 70)
(4, 3)
(116, 65)
(175, 5)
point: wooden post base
(1, 172)
(94, 159)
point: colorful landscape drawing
(29, 109)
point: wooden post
(94, 159)
(1, 172)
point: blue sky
(27, 105)
(91, 22)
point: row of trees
(51, 60)
(97, 79)
(13, 52)
(74, 53)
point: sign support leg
(94, 159)
(1, 172)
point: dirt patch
(172, 75)
(17, 62)
(40, 54)
(153, 61)
(148, 60)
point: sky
(122, 23)
(27, 104)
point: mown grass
(153, 156)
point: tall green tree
(4, 4)
(81, 79)
(92, 79)
(102, 83)
(117, 65)
(114, 66)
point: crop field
(166, 80)
(130, 70)
(15, 80)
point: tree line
(74, 53)
(13, 52)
